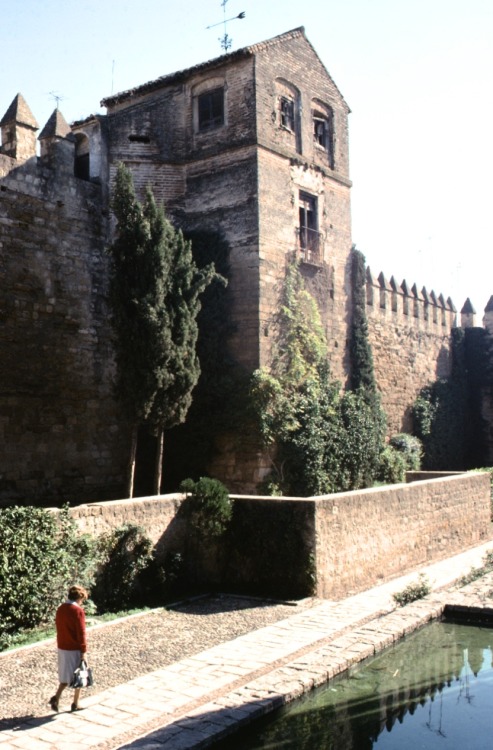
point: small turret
(488, 317)
(56, 129)
(467, 319)
(18, 127)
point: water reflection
(432, 690)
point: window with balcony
(310, 244)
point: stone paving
(194, 702)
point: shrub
(392, 467)
(125, 554)
(209, 506)
(411, 449)
(476, 573)
(413, 592)
(41, 554)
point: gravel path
(125, 649)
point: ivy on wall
(320, 440)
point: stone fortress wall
(61, 429)
(409, 332)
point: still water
(432, 690)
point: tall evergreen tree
(154, 289)
(362, 373)
(174, 395)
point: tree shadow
(211, 604)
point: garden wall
(368, 536)
(346, 542)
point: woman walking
(71, 642)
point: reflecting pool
(432, 690)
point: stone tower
(253, 144)
(19, 128)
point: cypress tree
(138, 272)
(362, 373)
(182, 367)
(154, 290)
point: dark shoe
(73, 707)
(54, 703)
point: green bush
(392, 466)
(209, 507)
(125, 554)
(476, 573)
(411, 449)
(40, 555)
(413, 592)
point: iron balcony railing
(310, 243)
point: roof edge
(180, 75)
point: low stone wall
(368, 536)
(159, 516)
(346, 542)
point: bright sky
(417, 75)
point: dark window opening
(309, 236)
(81, 167)
(287, 113)
(322, 134)
(139, 139)
(320, 131)
(211, 109)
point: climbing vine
(320, 440)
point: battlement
(407, 305)
(76, 150)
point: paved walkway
(194, 702)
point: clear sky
(417, 75)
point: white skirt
(68, 661)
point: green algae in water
(432, 690)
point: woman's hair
(77, 593)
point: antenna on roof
(57, 97)
(226, 40)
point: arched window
(209, 105)
(288, 113)
(81, 163)
(323, 129)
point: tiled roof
(183, 74)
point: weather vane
(226, 40)
(57, 97)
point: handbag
(82, 676)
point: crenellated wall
(62, 436)
(275, 188)
(409, 332)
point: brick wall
(290, 163)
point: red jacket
(71, 628)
